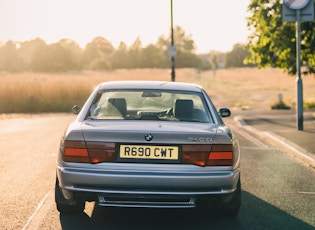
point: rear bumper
(143, 188)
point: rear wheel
(65, 206)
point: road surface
(278, 191)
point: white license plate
(148, 152)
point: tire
(65, 206)
(231, 209)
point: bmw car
(149, 144)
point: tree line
(271, 43)
(99, 54)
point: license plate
(148, 152)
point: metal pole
(299, 104)
(172, 44)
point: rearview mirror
(151, 94)
(224, 112)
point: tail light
(101, 152)
(207, 155)
(195, 154)
(88, 152)
(75, 151)
(221, 155)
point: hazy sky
(213, 24)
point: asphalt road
(278, 191)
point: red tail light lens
(207, 155)
(89, 152)
(75, 151)
(101, 152)
(221, 155)
(195, 154)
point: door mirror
(224, 112)
(76, 109)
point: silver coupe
(150, 144)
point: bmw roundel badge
(148, 137)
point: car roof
(163, 85)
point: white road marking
(300, 152)
(42, 208)
(251, 148)
(252, 139)
(309, 193)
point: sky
(212, 24)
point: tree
(273, 42)
(183, 41)
(236, 57)
(38, 51)
(62, 57)
(9, 57)
(135, 52)
(120, 57)
(73, 53)
(27, 52)
(185, 47)
(37, 56)
(96, 55)
(154, 57)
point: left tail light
(88, 152)
(208, 155)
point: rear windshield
(149, 105)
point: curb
(293, 148)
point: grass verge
(245, 88)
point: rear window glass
(149, 105)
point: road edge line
(39, 206)
(298, 151)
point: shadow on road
(254, 214)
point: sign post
(297, 11)
(172, 48)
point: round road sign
(296, 4)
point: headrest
(183, 109)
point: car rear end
(149, 162)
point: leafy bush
(280, 105)
(309, 105)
